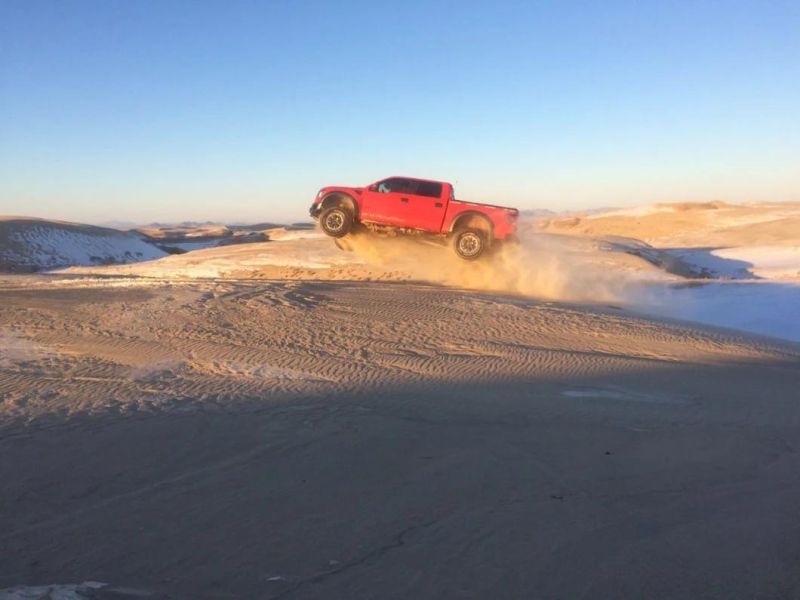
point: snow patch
(619, 393)
(68, 591)
(766, 308)
(635, 211)
(285, 235)
(46, 245)
(190, 246)
(744, 262)
(768, 262)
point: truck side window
(398, 186)
(429, 188)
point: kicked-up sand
(367, 439)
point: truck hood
(342, 188)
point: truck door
(426, 205)
(387, 202)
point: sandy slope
(709, 239)
(692, 224)
(608, 269)
(191, 237)
(28, 245)
(308, 439)
(752, 251)
(544, 266)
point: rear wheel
(469, 244)
(336, 221)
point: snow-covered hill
(28, 244)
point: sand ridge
(202, 344)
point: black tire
(336, 221)
(470, 244)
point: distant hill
(121, 225)
(29, 245)
(690, 224)
(537, 213)
(542, 213)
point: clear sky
(163, 110)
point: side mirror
(373, 187)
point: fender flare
(340, 199)
(468, 214)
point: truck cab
(409, 203)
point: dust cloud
(538, 267)
(15, 348)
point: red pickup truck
(411, 205)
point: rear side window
(429, 188)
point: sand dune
(36, 244)
(691, 224)
(595, 270)
(30, 245)
(188, 237)
(543, 266)
(275, 337)
(714, 239)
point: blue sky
(164, 110)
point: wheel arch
(473, 219)
(340, 199)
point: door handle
(403, 199)
(438, 205)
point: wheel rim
(469, 244)
(334, 221)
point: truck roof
(416, 178)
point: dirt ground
(309, 439)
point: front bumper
(314, 210)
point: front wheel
(336, 221)
(469, 244)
